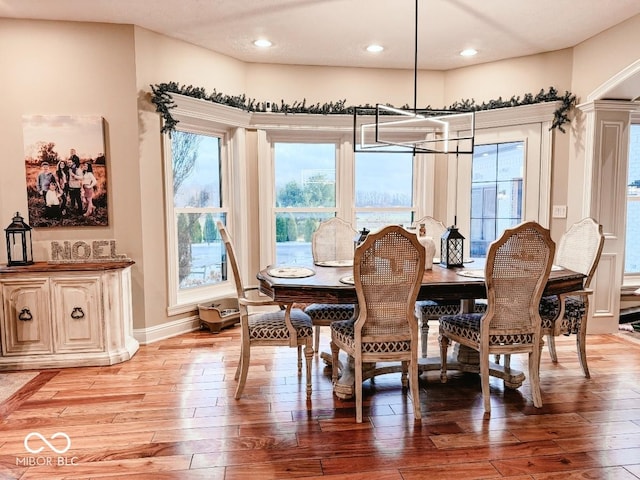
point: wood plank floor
(169, 413)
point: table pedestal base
(463, 359)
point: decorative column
(604, 198)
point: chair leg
(403, 377)
(534, 376)
(358, 389)
(551, 341)
(239, 367)
(308, 354)
(581, 344)
(444, 346)
(424, 334)
(334, 362)
(316, 338)
(244, 368)
(299, 360)
(507, 360)
(484, 380)
(414, 388)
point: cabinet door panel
(76, 314)
(26, 321)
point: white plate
(291, 272)
(555, 268)
(471, 273)
(335, 263)
(348, 280)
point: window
(496, 192)
(195, 201)
(632, 252)
(314, 181)
(383, 189)
(305, 184)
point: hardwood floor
(169, 413)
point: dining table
(305, 284)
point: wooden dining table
(329, 284)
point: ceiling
(336, 32)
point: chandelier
(401, 130)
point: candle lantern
(360, 237)
(451, 248)
(19, 248)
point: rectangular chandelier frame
(398, 130)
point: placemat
(335, 263)
(291, 272)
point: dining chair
(331, 244)
(516, 272)
(387, 271)
(579, 249)
(433, 309)
(283, 327)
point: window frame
(328, 129)
(198, 117)
(630, 278)
(530, 124)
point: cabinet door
(26, 324)
(76, 314)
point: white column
(606, 145)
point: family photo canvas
(66, 170)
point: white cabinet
(64, 315)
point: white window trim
(203, 117)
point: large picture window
(383, 189)
(305, 185)
(632, 252)
(197, 187)
(496, 192)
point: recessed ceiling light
(262, 42)
(375, 48)
(468, 52)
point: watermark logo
(36, 443)
(51, 447)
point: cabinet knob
(25, 315)
(77, 313)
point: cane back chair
(331, 243)
(516, 272)
(579, 249)
(433, 309)
(388, 270)
(289, 327)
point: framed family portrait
(66, 170)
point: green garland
(163, 100)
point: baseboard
(167, 330)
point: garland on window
(163, 100)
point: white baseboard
(167, 330)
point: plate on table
(348, 279)
(336, 263)
(466, 260)
(471, 273)
(556, 268)
(291, 272)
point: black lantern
(19, 249)
(451, 248)
(360, 237)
